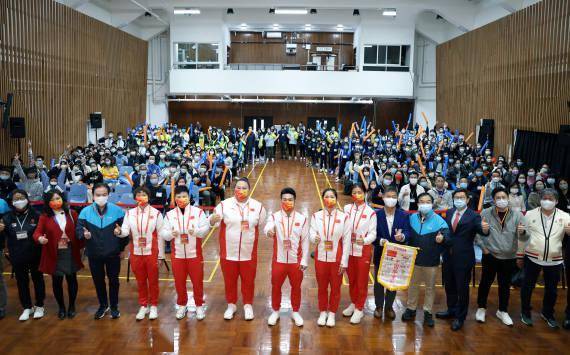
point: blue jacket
(460, 250)
(423, 235)
(401, 221)
(103, 243)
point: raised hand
(399, 236)
(42, 239)
(521, 228)
(439, 238)
(484, 225)
(117, 230)
(86, 233)
(271, 233)
(175, 233)
(215, 218)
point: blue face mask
(459, 204)
(479, 173)
(425, 208)
(463, 185)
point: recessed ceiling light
(313, 11)
(243, 25)
(389, 12)
(339, 26)
(187, 11)
(355, 12)
(275, 25)
(308, 25)
(230, 11)
(291, 11)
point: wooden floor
(216, 336)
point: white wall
(157, 79)
(425, 80)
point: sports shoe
(141, 313)
(25, 315)
(348, 311)
(550, 321)
(297, 319)
(526, 319)
(408, 315)
(273, 318)
(101, 312)
(230, 311)
(248, 312)
(356, 317)
(115, 313)
(200, 313)
(480, 315)
(322, 319)
(153, 314)
(331, 320)
(181, 312)
(505, 318)
(39, 312)
(428, 319)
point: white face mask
(413, 181)
(390, 202)
(101, 200)
(547, 204)
(502, 203)
(20, 204)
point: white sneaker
(248, 312)
(230, 311)
(200, 314)
(153, 313)
(297, 319)
(505, 318)
(181, 312)
(356, 317)
(141, 313)
(322, 319)
(480, 315)
(38, 312)
(25, 314)
(331, 320)
(273, 318)
(349, 310)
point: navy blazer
(460, 251)
(401, 221)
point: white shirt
(144, 226)
(547, 225)
(186, 245)
(291, 241)
(61, 220)
(362, 222)
(333, 229)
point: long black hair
(47, 198)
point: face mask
(142, 200)
(330, 202)
(357, 197)
(4, 177)
(182, 202)
(387, 182)
(390, 202)
(20, 204)
(514, 191)
(287, 206)
(547, 204)
(424, 184)
(154, 181)
(56, 204)
(77, 178)
(515, 172)
(393, 170)
(551, 181)
(478, 173)
(539, 187)
(172, 170)
(502, 203)
(202, 170)
(39, 163)
(459, 204)
(240, 194)
(424, 208)
(531, 173)
(463, 185)
(563, 186)
(53, 183)
(522, 181)
(413, 181)
(151, 161)
(496, 179)
(143, 172)
(101, 200)
(183, 171)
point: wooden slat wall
(514, 70)
(62, 65)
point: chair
(20, 185)
(127, 199)
(114, 197)
(123, 189)
(77, 193)
(125, 169)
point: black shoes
(456, 325)
(445, 315)
(566, 324)
(71, 312)
(61, 313)
(378, 313)
(115, 313)
(101, 312)
(408, 315)
(550, 321)
(428, 319)
(2, 313)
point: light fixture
(353, 101)
(313, 11)
(187, 11)
(243, 25)
(230, 11)
(308, 25)
(271, 11)
(389, 12)
(275, 25)
(355, 12)
(289, 11)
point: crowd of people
(398, 180)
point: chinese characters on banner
(396, 266)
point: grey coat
(502, 242)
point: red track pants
(327, 274)
(358, 270)
(145, 268)
(245, 270)
(279, 272)
(184, 268)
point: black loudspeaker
(487, 131)
(96, 120)
(564, 135)
(17, 127)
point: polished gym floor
(216, 336)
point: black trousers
(382, 297)
(72, 288)
(551, 277)
(23, 270)
(503, 270)
(457, 281)
(111, 266)
(567, 272)
(284, 152)
(292, 150)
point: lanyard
(181, 227)
(544, 227)
(354, 229)
(241, 211)
(329, 224)
(502, 221)
(139, 225)
(289, 229)
(21, 224)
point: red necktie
(455, 221)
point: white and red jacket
(334, 232)
(239, 228)
(291, 240)
(186, 245)
(362, 222)
(144, 225)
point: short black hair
(357, 185)
(327, 190)
(47, 198)
(18, 191)
(244, 179)
(101, 184)
(142, 189)
(425, 194)
(458, 191)
(496, 190)
(288, 190)
(391, 189)
(181, 189)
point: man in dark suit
(393, 225)
(459, 259)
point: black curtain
(537, 148)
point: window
(386, 58)
(196, 56)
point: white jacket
(194, 219)
(237, 244)
(534, 243)
(297, 225)
(404, 196)
(144, 225)
(338, 232)
(362, 223)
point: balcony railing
(303, 67)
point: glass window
(196, 56)
(393, 55)
(370, 54)
(381, 54)
(207, 52)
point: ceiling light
(187, 11)
(291, 11)
(308, 25)
(313, 11)
(355, 12)
(275, 25)
(389, 12)
(339, 26)
(230, 11)
(271, 11)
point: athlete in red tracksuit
(362, 222)
(330, 231)
(186, 226)
(290, 232)
(143, 224)
(239, 218)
